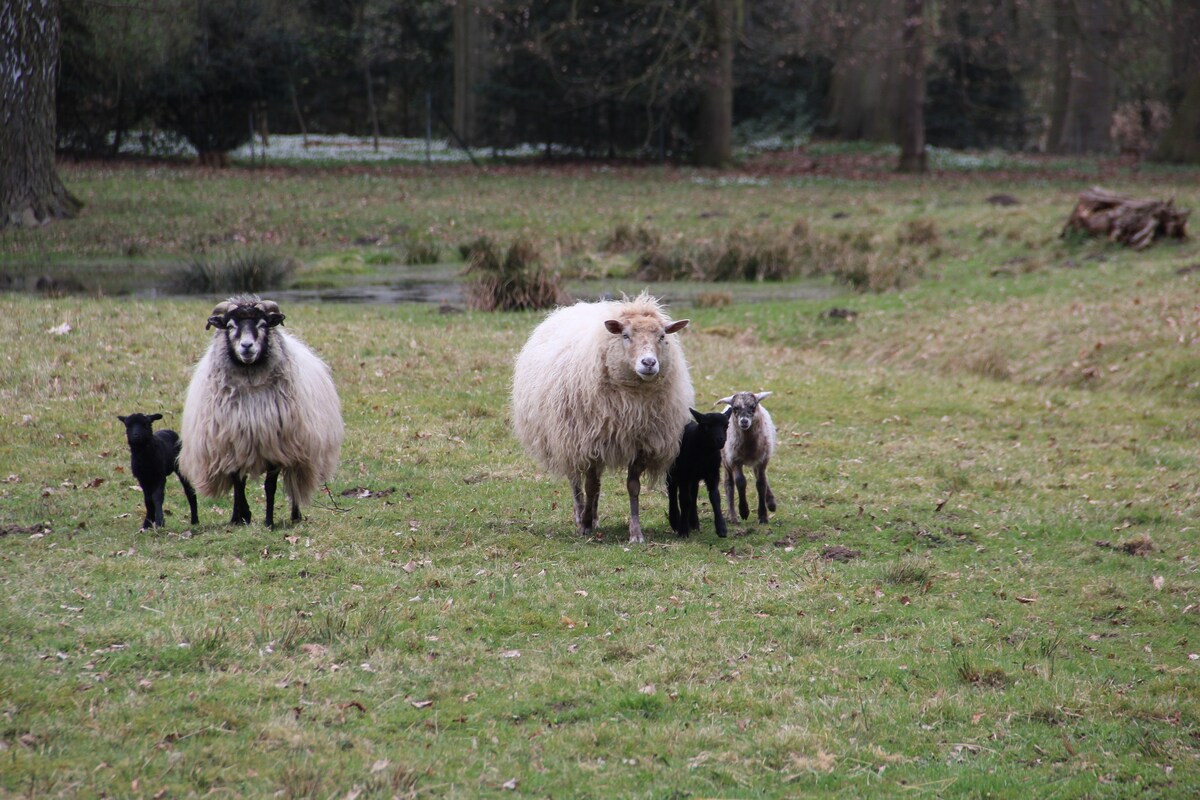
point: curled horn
(217, 318)
(271, 309)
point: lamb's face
(246, 328)
(714, 427)
(645, 343)
(139, 428)
(744, 406)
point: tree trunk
(1180, 142)
(471, 57)
(714, 136)
(31, 193)
(1088, 121)
(912, 115)
(1063, 45)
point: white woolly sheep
(260, 401)
(603, 385)
(751, 442)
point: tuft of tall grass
(239, 272)
(421, 249)
(516, 280)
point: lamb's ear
(760, 396)
(123, 419)
(614, 326)
(696, 415)
(154, 417)
(677, 325)
(726, 400)
(727, 413)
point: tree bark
(912, 115)
(471, 58)
(1086, 128)
(1063, 45)
(31, 192)
(1180, 142)
(714, 137)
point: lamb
(699, 459)
(260, 401)
(600, 385)
(153, 455)
(751, 443)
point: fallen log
(1134, 222)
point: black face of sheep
(152, 457)
(246, 326)
(699, 460)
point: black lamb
(152, 457)
(699, 459)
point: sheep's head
(644, 340)
(744, 406)
(714, 427)
(245, 323)
(139, 428)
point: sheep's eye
(262, 324)
(625, 336)
(662, 337)
(231, 325)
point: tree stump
(1130, 221)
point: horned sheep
(751, 443)
(598, 385)
(260, 401)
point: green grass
(986, 440)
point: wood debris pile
(1128, 220)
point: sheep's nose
(649, 362)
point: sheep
(260, 401)
(153, 455)
(598, 385)
(699, 459)
(751, 443)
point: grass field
(981, 580)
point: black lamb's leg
(713, 483)
(674, 515)
(191, 498)
(241, 509)
(148, 499)
(160, 492)
(693, 505)
(269, 489)
(765, 497)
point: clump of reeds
(231, 274)
(515, 280)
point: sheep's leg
(160, 492)
(191, 498)
(693, 505)
(241, 509)
(269, 489)
(148, 499)
(729, 494)
(714, 498)
(577, 499)
(591, 499)
(633, 485)
(764, 491)
(296, 517)
(740, 480)
(676, 503)
(765, 488)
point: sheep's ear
(123, 419)
(760, 396)
(154, 417)
(274, 318)
(726, 400)
(677, 325)
(614, 326)
(727, 413)
(215, 321)
(696, 415)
